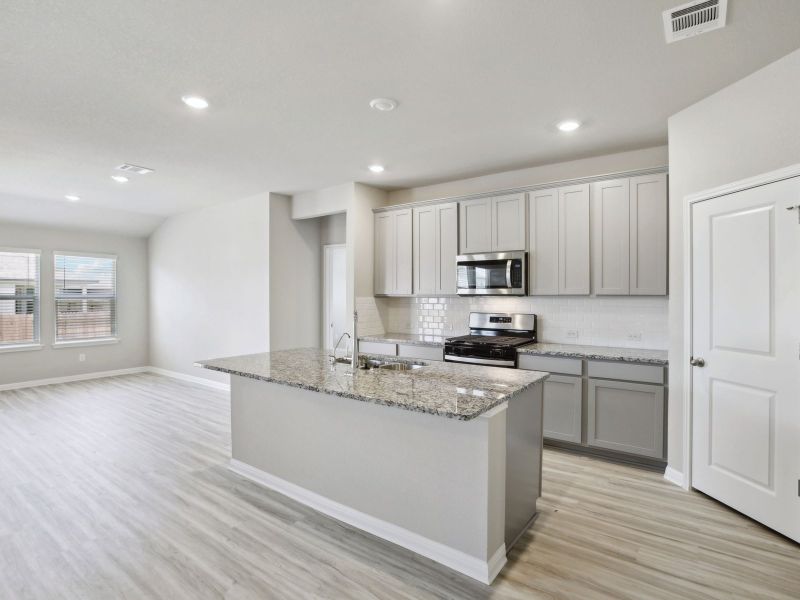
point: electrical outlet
(81, 357)
(572, 334)
(635, 337)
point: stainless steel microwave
(493, 274)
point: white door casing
(335, 298)
(744, 294)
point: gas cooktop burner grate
(492, 340)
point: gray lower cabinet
(562, 408)
(627, 417)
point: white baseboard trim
(482, 570)
(673, 476)
(217, 385)
(70, 378)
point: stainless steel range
(493, 340)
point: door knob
(697, 362)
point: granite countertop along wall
(413, 339)
(637, 355)
(439, 388)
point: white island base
(458, 492)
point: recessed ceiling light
(195, 102)
(383, 104)
(376, 168)
(569, 125)
(72, 197)
(119, 178)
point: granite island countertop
(636, 355)
(444, 389)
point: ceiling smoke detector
(137, 170)
(694, 18)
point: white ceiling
(87, 85)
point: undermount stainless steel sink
(392, 365)
(400, 366)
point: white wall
(132, 308)
(295, 288)
(326, 201)
(209, 285)
(587, 167)
(333, 229)
(356, 200)
(748, 128)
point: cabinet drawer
(628, 417)
(563, 397)
(551, 364)
(626, 371)
(421, 352)
(377, 348)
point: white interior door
(745, 327)
(335, 322)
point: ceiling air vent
(128, 168)
(694, 18)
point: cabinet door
(543, 255)
(446, 247)
(403, 254)
(610, 237)
(573, 240)
(475, 231)
(508, 223)
(562, 408)
(425, 250)
(383, 270)
(648, 235)
(628, 417)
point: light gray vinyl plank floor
(118, 488)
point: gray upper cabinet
(543, 255)
(383, 269)
(446, 247)
(508, 223)
(559, 241)
(393, 264)
(492, 224)
(648, 235)
(475, 226)
(435, 249)
(610, 236)
(629, 236)
(425, 250)
(573, 240)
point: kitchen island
(442, 459)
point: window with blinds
(86, 297)
(19, 297)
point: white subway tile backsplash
(611, 321)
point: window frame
(36, 343)
(92, 341)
